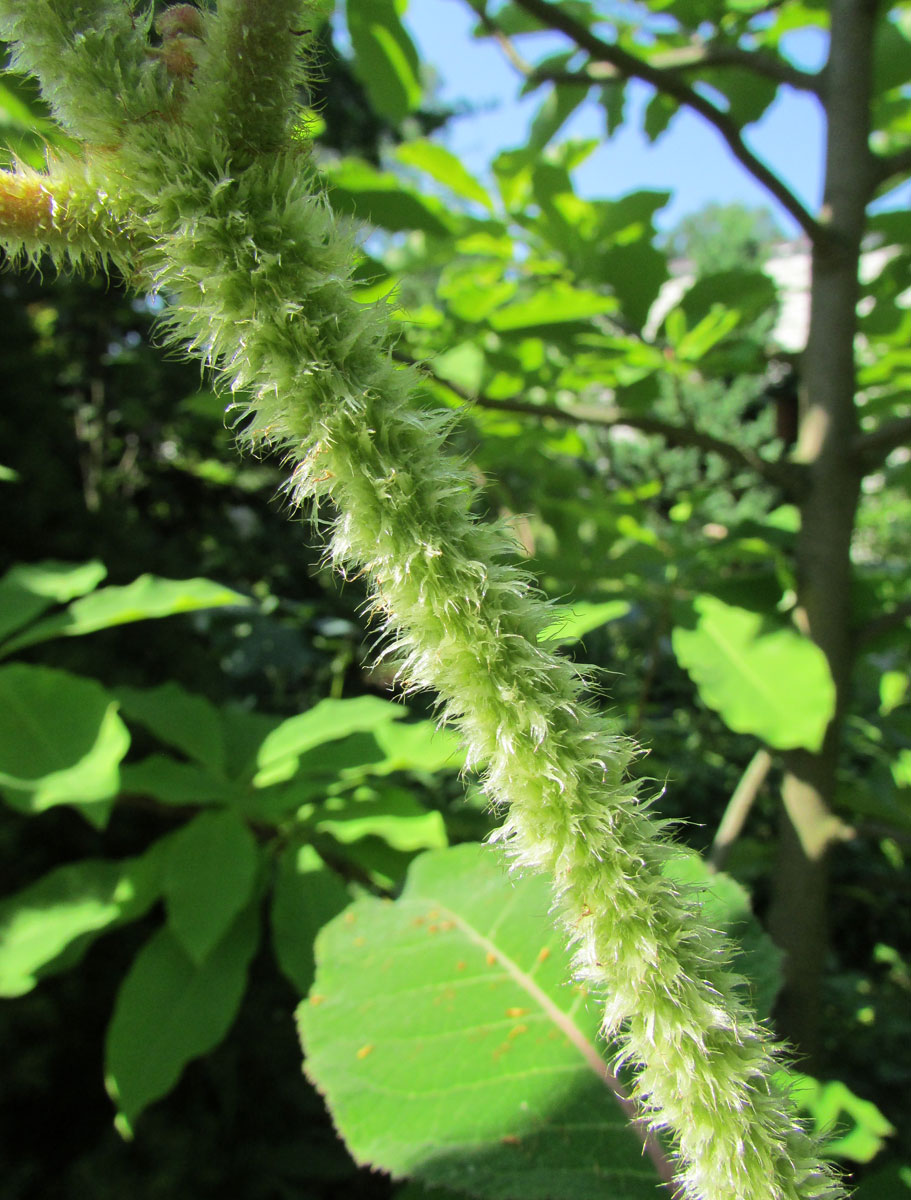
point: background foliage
(202, 766)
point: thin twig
(883, 624)
(888, 165)
(738, 807)
(690, 58)
(786, 475)
(874, 447)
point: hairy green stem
(240, 239)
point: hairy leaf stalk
(235, 230)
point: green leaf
(659, 112)
(552, 305)
(170, 1010)
(178, 783)
(557, 108)
(61, 741)
(209, 876)
(750, 293)
(29, 589)
(179, 719)
(417, 746)
(832, 1106)
(496, 1076)
(581, 619)
(280, 753)
(712, 329)
(894, 690)
(385, 58)
(79, 901)
(770, 682)
(443, 166)
(390, 813)
(146, 598)
(306, 896)
(380, 198)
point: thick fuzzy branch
(259, 276)
(63, 216)
(248, 73)
(90, 58)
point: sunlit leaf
(78, 901)
(443, 166)
(581, 619)
(390, 813)
(385, 58)
(497, 1074)
(29, 589)
(280, 753)
(146, 598)
(61, 741)
(765, 680)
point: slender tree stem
(826, 444)
(738, 808)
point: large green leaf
(553, 304)
(61, 741)
(170, 1010)
(770, 682)
(145, 598)
(77, 902)
(385, 58)
(449, 1047)
(209, 876)
(379, 197)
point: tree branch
(874, 447)
(688, 58)
(883, 624)
(670, 83)
(885, 166)
(786, 475)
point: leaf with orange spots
(452, 1048)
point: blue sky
(690, 159)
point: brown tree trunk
(828, 429)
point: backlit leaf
(765, 680)
(496, 1080)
